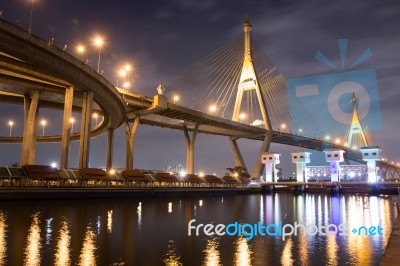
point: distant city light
(169, 207)
(236, 175)
(112, 171)
(200, 203)
(283, 126)
(337, 141)
(182, 173)
(53, 165)
(327, 137)
(43, 122)
(201, 174)
(300, 130)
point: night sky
(162, 38)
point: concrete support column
(190, 148)
(130, 142)
(84, 147)
(29, 137)
(237, 156)
(66, 129)
(258, 167)
(110, 144)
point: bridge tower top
(355, 127)
(249, 81)
(247, 42)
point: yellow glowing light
(72, 120)
(242, 116)
(201, 174)
(43, 122)
(128, 67)
(98, 41)
(176, 98)
(80, 49)
(126, 85)
(10, 123)
(112, 171)
(337, 141)
(95, 115)
(283, 126)
(236, 175)
(122, 73)
(212, 108)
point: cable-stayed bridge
(242, 95)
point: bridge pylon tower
(355, 127)
(249, 81)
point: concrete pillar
(29, 137)
(110, 144)
(130, 142)
(84, 147)
(237, 156)
(66, 128)
(371, 155)
(258, 167)
(190, 148)
(270, 160)
(334, 158)
(301, 159)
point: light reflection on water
(33, 243)
(3, 238)
(62, 253)
(212, 255)
(88, 256)
(123, 232)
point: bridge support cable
(258, 167)
(237, 155)
(190, 142)
(31, 108)
(84, 147)
(130, 134)
(110, 145)
(66, 128)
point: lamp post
(72, 121)
(11, 124)
(30, 19)
(43, 122)
(99, 43)
(81, 50)
(175, 98)
(95, 116)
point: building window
(329, 156)
(264, 158)
(270, 158)
(295, 157)
(336, 155)
(366, 154)
(374, 153)
(301, 156)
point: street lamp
(242, 116)
(176, 99)
(43, 122)
(99, 43)
(95, 116)
(30, 19)
(212, 108)
(283, 126)
(72, 121)
(80, 49)
(11, 124)
(122, 73)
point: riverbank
(102, 193)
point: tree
(239, 171)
